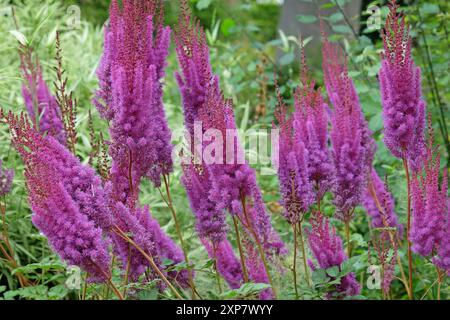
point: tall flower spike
(69, 218)
(296, 187)
(232, 183)
(442, 260)
(6, 179)
(401, 93)
(80, 182)
(429, 207)
(41, 105)
(130, 95)
(380, 206)
(353, 147)
(311, 123)
(327, 249)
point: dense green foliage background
(244, 43)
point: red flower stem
(408, 226)
(241, 252)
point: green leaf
(19, 36)
(319, 276)
(288, 58)
(306, 18)
(429, 8)
(203, 4)
(226, 26)
(342, 28)
(333, 271)
(335, 17)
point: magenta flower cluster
(40, 104)
(130, 96)
(326, 247)
(401, 94)
(353, 147)
(430, 204)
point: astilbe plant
(296, 187)
(232, 184)
(130, 95)
(6, 180)
(41, 105)
(353, 147)
(430, 212)
(401, 93)
(71, 222)
(326, 247)
(311, 123)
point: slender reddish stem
(408, 226)
(241, 252)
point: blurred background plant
(247, 49)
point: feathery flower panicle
(227, 263)
(311, 124)
(70, 232)
(41, 105)
(233, 185)
(210, 223)
(401, 93)
(147, 234)
(385, 216)
(429, 206)
(327, 249)
(442, 260)
(353, 147)
(6, 180)
(81, 182)
(130, 95)
(196, 79)
(296, 187)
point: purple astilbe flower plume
(210, 223)
(80, 182)
(353, 147)
(70, 233)
(233, 184)
(442, 260)
(429, 206)
(70, 218)
(130, 95)
(311, 124)
(401, 93)
(327, 249)
(6, 180)
(380, 205)
(296, 187)
(147, 234)
(41, 105)
(228, 264)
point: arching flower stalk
(233, 185)
(403, 105)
